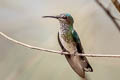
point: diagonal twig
(116, 4)
(109, 14)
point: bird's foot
(75, 52)
(61, 52)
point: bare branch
(29, 46)
(116, 4)
(53, 51)
(109, 14)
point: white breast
(68, 46)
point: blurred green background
(22, 20)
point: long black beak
(51, 17)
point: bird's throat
(66, 32)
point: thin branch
(53, 51)
(109, 14)
(29, 46)
(116, 4)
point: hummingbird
(69, 41)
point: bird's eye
(65, 17)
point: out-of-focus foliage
(21, 20)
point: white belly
(68, 46)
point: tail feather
(84, 62)
(88, 68)
(79, 66)
(76, 65)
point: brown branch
(116, 4)
(53, 51)
(109, 14)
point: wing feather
(86, 64)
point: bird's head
(64, 18)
